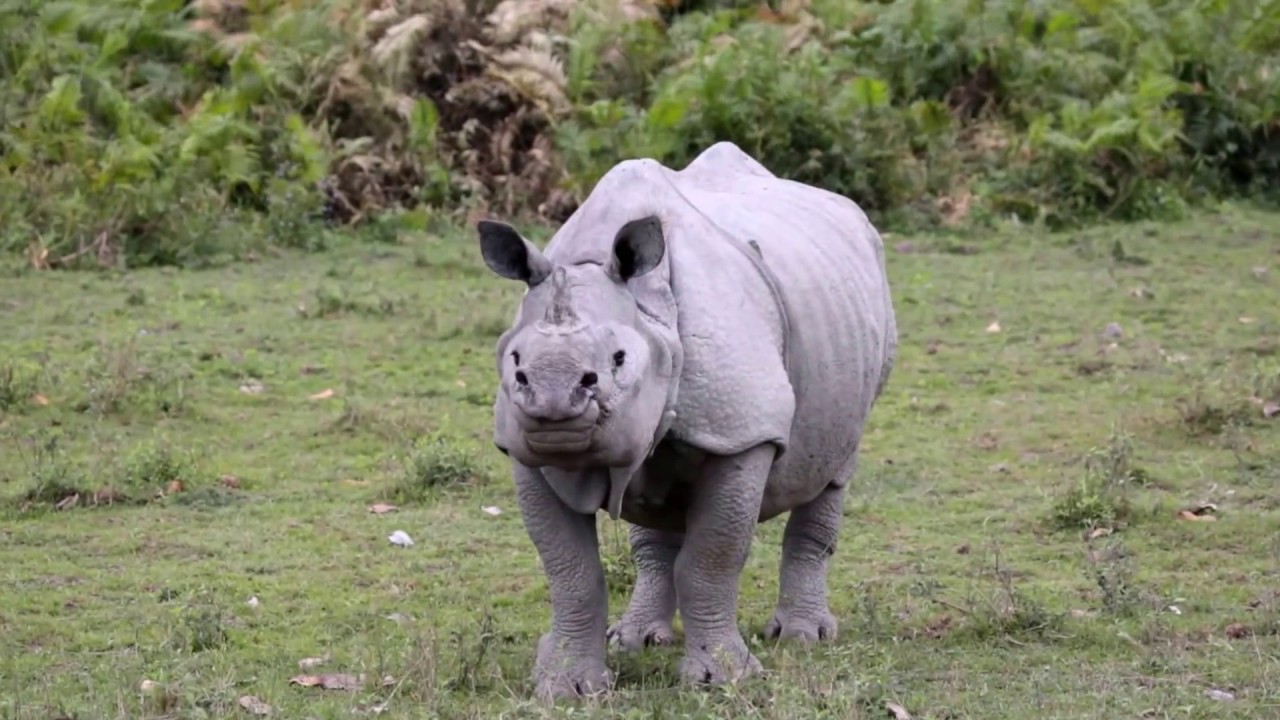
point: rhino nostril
(521, 378)
(589, 379)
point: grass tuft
(436, 462)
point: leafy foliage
(1060, 112)
(174, 132)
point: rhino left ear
(508, 254)
(638, 247)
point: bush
(160, 133)
(1063, 113)
(271, 122)
(434, 463)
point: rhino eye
(619, 358)
(515, 356)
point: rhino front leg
(647, 620)
(571, 657)
(808, 541)
(722, 518)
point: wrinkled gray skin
(697, 352)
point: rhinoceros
(695, 352)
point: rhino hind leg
(808, 543)
(647, 620)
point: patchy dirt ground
(1013, 546)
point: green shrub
(1051, 111)
(434, 463)
(140, 134)
(169, 132)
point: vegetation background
(245, 335)
(272, 121)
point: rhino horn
(560, 312)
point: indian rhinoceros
(695, 352)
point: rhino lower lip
(558, 441)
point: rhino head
(587, 381)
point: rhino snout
(541, 403)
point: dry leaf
(323, 394)
(994, 327)
(328, 682)
(1112, 331)
(1235, 631)
(1221, 695)
(253, 602)
(1098, 532)
(174, 487)
(253, 387)
(382, 508)
(147, 686)
(1244, 320)
(68, 502)
(938, 627)
(1270, 410)
(230, 481)
(1202, 512)
(39, 256)
(492, 510)
(897, 711)
(39, 399)
(107, 496)
(311, 662)
(255, 706)
(987, 441)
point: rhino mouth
(559, 441)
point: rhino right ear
(510, 255)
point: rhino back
(829, 268)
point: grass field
(1012, 546)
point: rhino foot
(632, 635)
(803, 627)
(560, 675)
(730, 661)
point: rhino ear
(510, 255)
(638, 247)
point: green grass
(975, 576)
